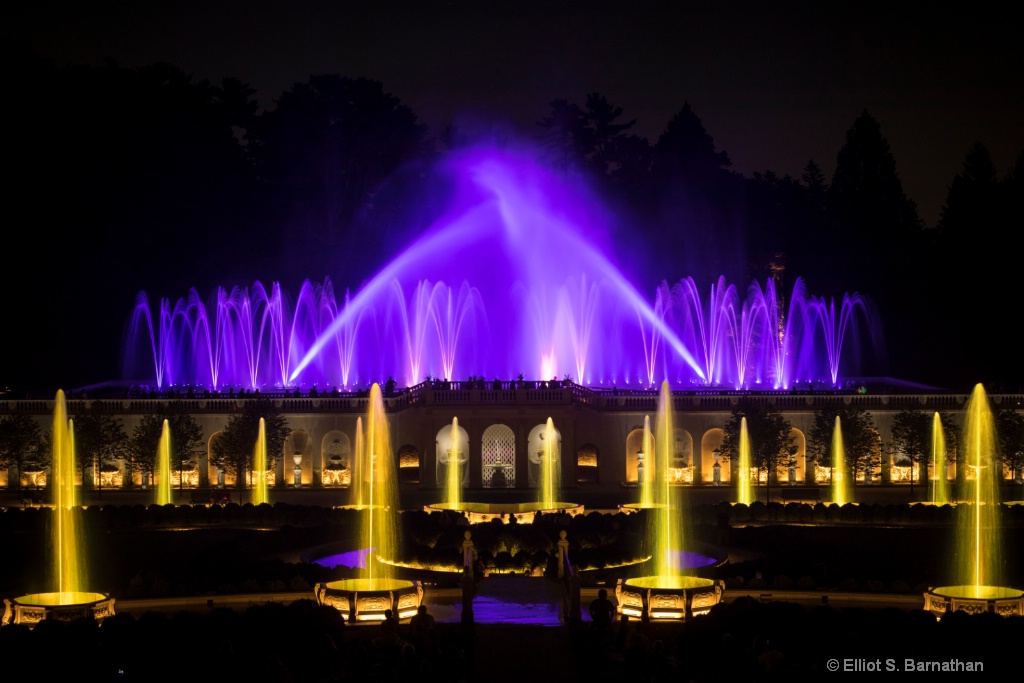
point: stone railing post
(563, 548)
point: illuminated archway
(498, 455)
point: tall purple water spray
(516, 277)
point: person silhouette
(602, 611)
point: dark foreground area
(182, 551)
(167, 552)
(745, 640)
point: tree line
(149, 179)
(773, 446)
(101, 440)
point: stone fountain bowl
(367, 599)
(478, 513)
(61, 606)
(974, 600)
(668, 597)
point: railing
(518, 392)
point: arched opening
(450, 455)
(298, 455)
(680, 469)
(220, 477)
(586, 463)
(336, 456)
(498, 455)
(409, 464)
(535, 448)
(714, 468)
(795, 470)
(634, 449)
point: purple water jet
(516, 277)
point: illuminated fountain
(260, 494)
(939, 485)
(457, 457)
(978, 553)
(163, 463)
(546, 460)
(69, 600)
(744, 488)
(366, 598)
(667, 593)
(842, 492)
(515, 276)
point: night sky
(775, 84)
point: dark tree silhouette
(770, 434)
(234, 448)
(861, 442)
(700, 210)
(594, 138)
(130, 178)
(323, 151)
(565, 135)
(971, 258)
(875, 222)
(99, 438)
(1010, 440)
(21, 441)
(186, 439)
(973, 201)
(912, 440)
(874, 235)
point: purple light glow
(515, 278)
(689, 559)
(353, 559)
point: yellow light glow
(841, 493)
(978, 541)
(163, 465)
(744, 491)
(69, 568)
(259, 493)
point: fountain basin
(668, 597)
(974, 600)
(367, 599)
(478, 513)
(67, 606)
(630, 508)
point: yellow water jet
(377, 474)
(456, 457)
(978, 551)
(939, 485)
(668, 513)
(841, 494)
(667, 593)
(744, 489)
(978, 545)
(367, 597)
(163, 459)
(69, 569)
(259, 491)
(549, 491)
